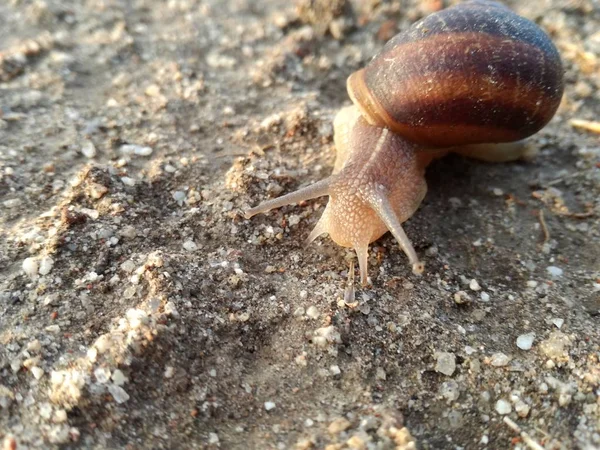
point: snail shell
(472, 73)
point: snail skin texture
(474, 79)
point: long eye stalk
(315, 190)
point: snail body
(475, 79)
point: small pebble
(269, 406)
(102, 375)
(119, 378)
(190, 246)
(129, 149)
(12, 203)
(88, 149)
(525, 341)
(128, 181)
(313, 312)
(558, 323)
(97, 190)
(170, 309)
(179, 196)
(37, 372)
(60, 416)
(34, 346)
(461, 298)
(522, 409)
(503, 407)
(474, 285)
(450, 390)
(485, 297)
(46, 264)
(554, 272)
(31, 266)
(338, 425)
(499, 360)
(118, 393)
(128, 266)
(446, 363)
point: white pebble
(179, 196)
(558, 323)
(499, 360)
(503, 407)
(269, 406)
(60, 416)
(128, 181)
(12, 203)
(37, 372)
(485, 297)
(169, 372)
(119, 378)
(474, 285)
(335, 370)
(522, 408)
(312, 312)
(170, 309)
(446, 363)
(46, 264)
(450, 390)
(34, 346)
(525, 341)
(31, 266)
(213, 438)
(136, 317)
(554, 271)
(88, 149)
(102, 375)
(128, 266)
(190, 246)
(138, 150)
(118, 393)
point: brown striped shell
(472, 73)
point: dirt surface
(138, 309)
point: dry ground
(138, 309)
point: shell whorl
(472, 73)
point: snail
(475, 79)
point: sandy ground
(139, 310)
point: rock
(446, 363)
(554, 272)
(88, 149)
(118, 393)
(46, 264)
(556, 346)
(338, 425)
(503, 407)
(525, 341)
(31, 267)
(269, 406)
(499, 360)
